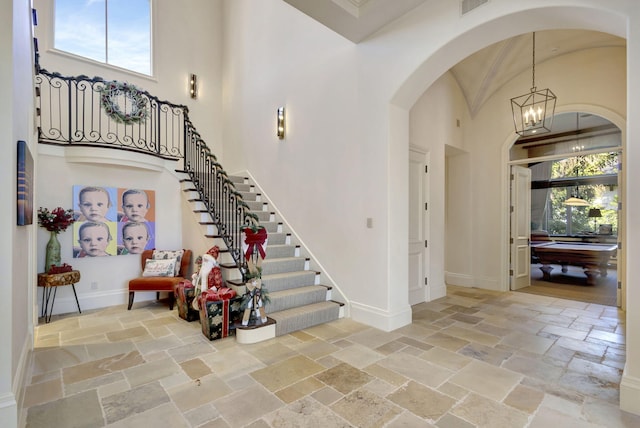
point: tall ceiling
(480, 74)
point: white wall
(59, 170)
(16, 247)
(434, 127)
(630, 385)
(320, 176)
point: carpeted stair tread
(285, 264)
(250, 196)
(262, 215)
(256, 206)
(286, 280)
(277, 238)
(242, 187)
(306, 316)
(287, 299)
(280, 250)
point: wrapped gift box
(184, 292)
(219, 317)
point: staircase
(297, 298)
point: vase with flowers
(55, 221)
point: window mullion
(106, 31)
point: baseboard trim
(23, 373)
(463, 280)
(487, 283)
(8, 410)
(458, 279)
(630, 393)
(437, 292)
(67, 304)
(380, 319)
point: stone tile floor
(475, 358)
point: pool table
(593, 258)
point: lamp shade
(576, 202)
(594, 212)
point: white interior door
(418, 231)
(520, 274)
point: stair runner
(297, 299)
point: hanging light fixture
(575, 200)
(533, 112)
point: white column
(630, 385)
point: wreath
(109, 95)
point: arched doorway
(580, 157)
(455, 146)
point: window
(590, 177)
(115, 32)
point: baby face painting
(135, 206)
(94, 238)
(94, 204)
(135, 237)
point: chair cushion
(158, 283)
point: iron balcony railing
(70, 112)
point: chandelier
(533, 112)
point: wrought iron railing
(70, 111)
(223, 202)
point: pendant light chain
(533, 68)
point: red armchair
(159, 283)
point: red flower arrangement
(56, 220)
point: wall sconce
(193, 86)
(280, 123)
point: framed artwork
(24, 194)
(112, 221)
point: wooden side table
(51, 282)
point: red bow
(222, 294)
(255, 239)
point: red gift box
(219, 312)
(184, 292)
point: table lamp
(594, 213)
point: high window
(593, 178)
(115, 32)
